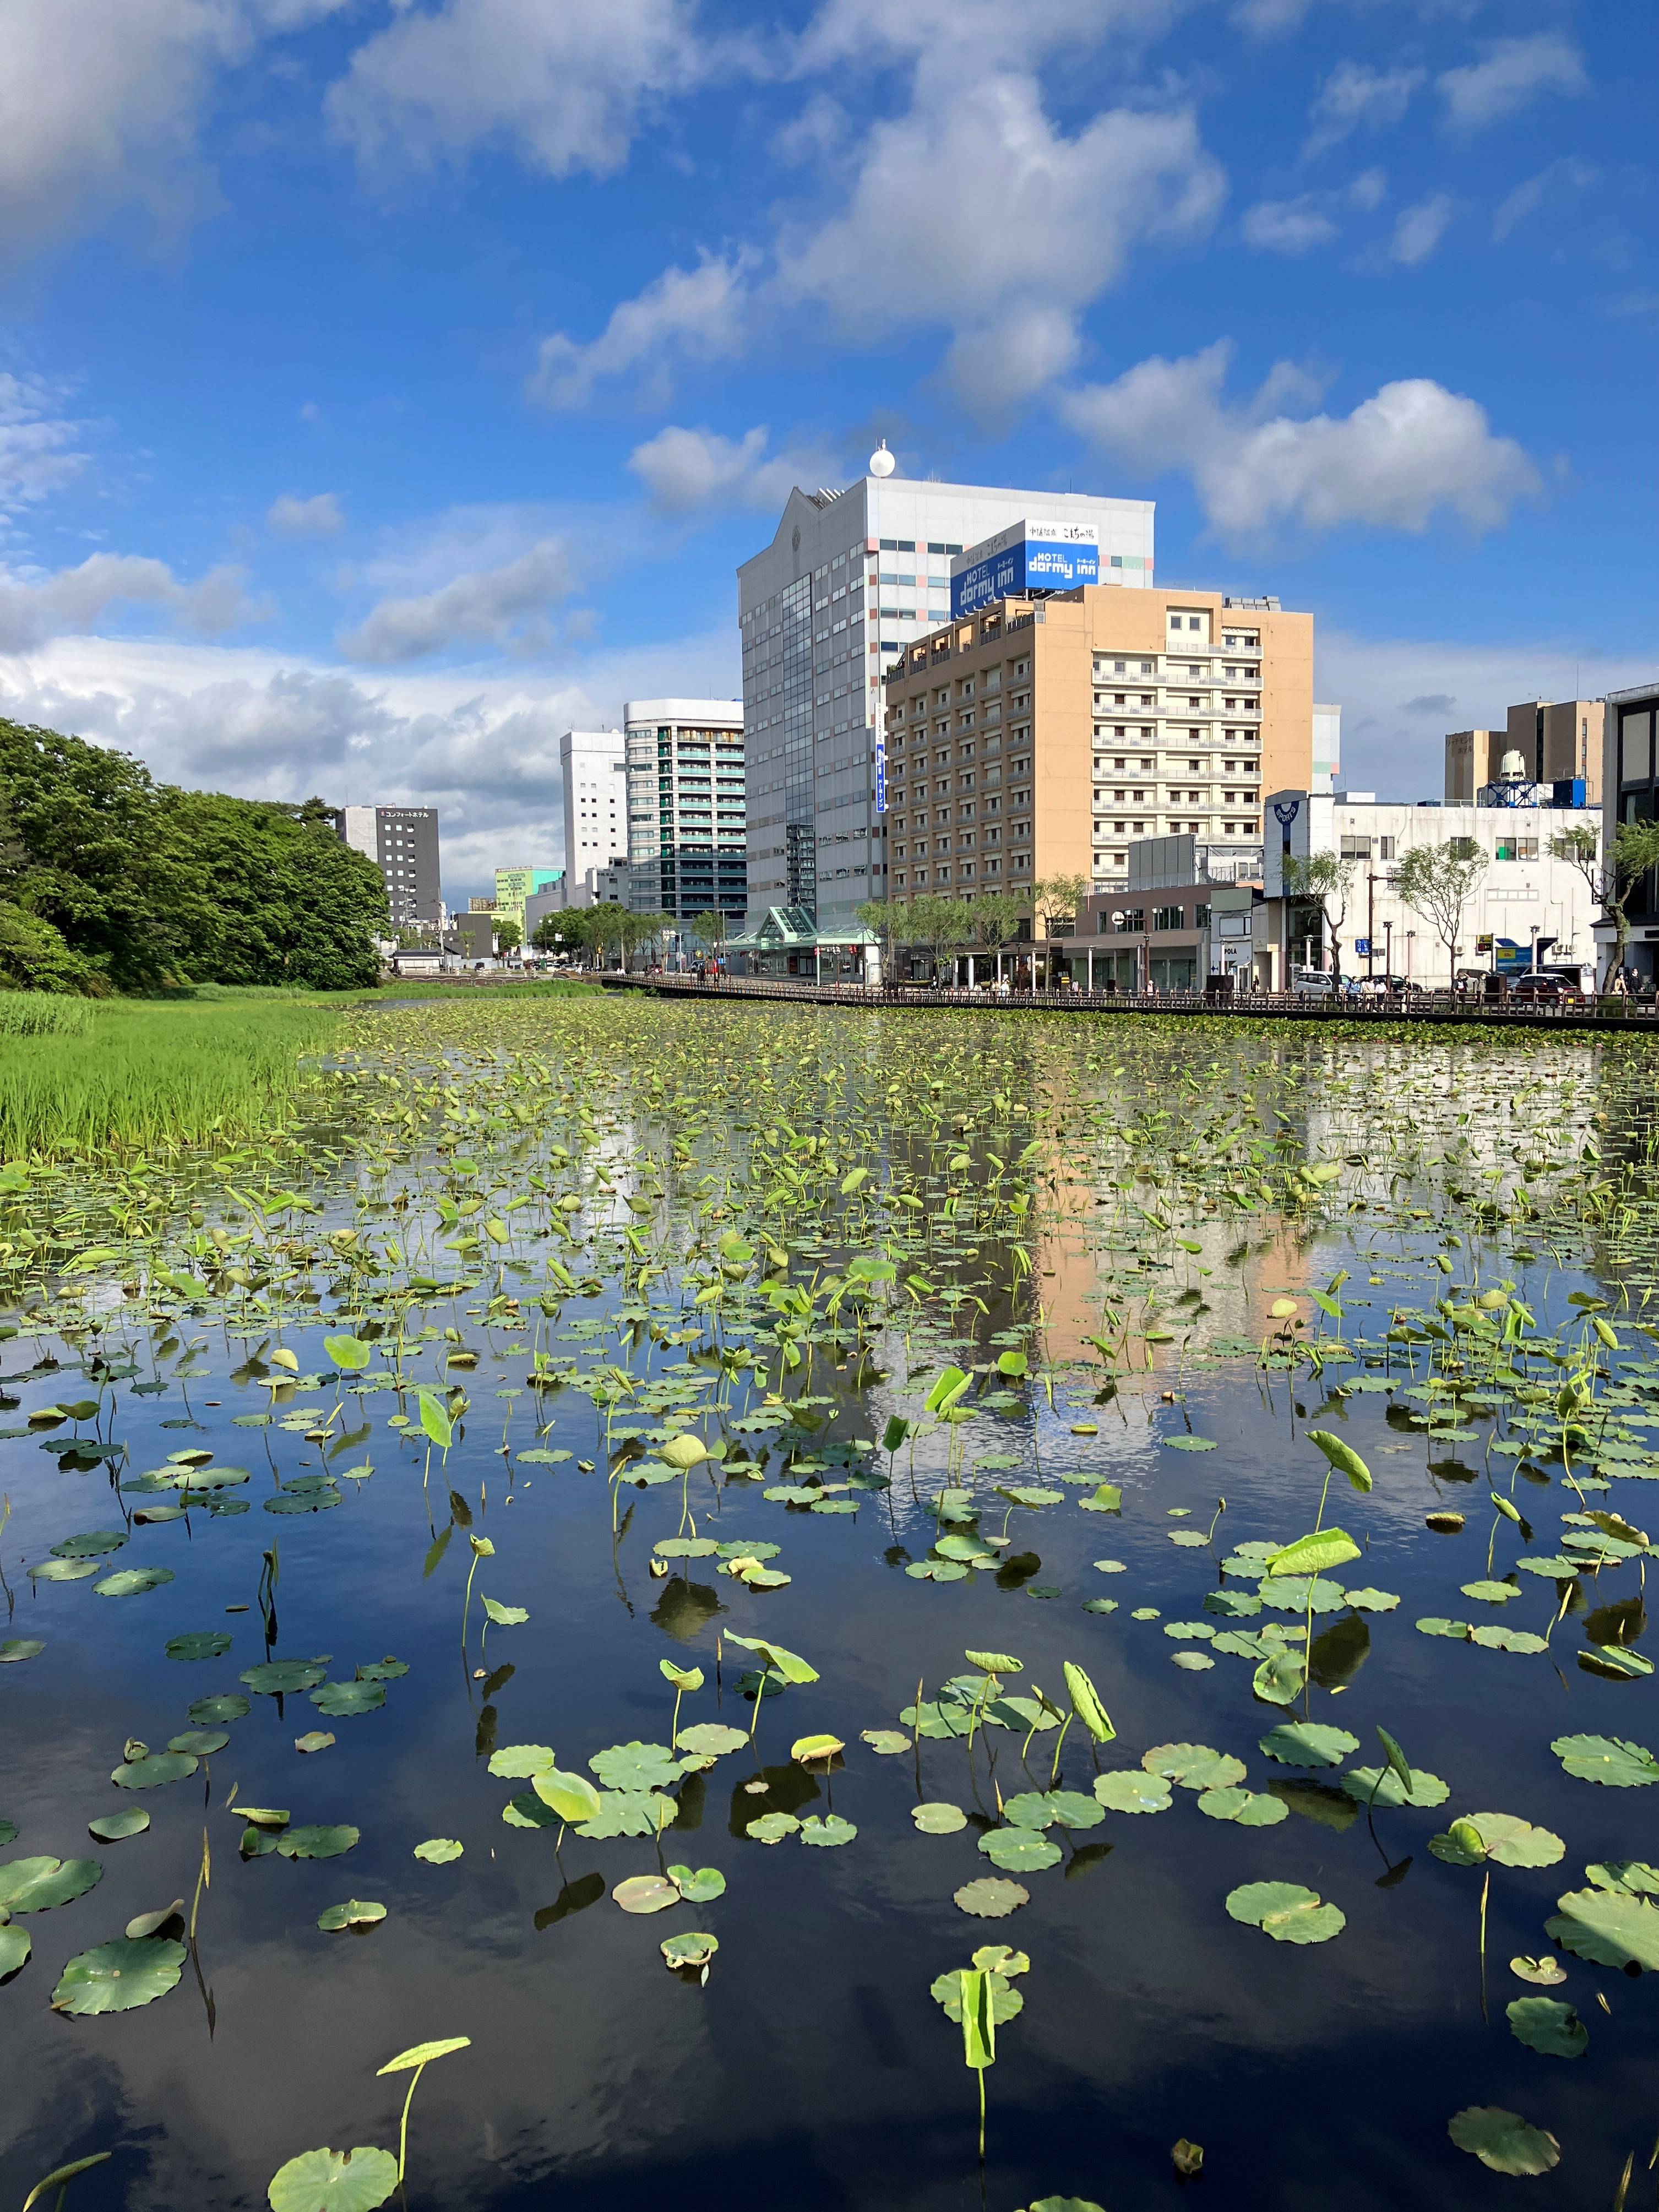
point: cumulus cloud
(688, 470)
(1418, 230)
(1551, 185)
(1513, 73)
(867, 30)
(561, 87)
(1354, 97)
(39, 449)
(290, 516)
(1288, 226)
(1411, 451)
(35, 608)
(509, 606)
(698, 313)
(100, 102)
(1053, 222)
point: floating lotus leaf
(353, 1913)
(15, 1947)
(1491, 1593)
(807, 1748)
(1508, 1639)
(282, 1677)
(636, 1766)
(623, 1812)
(132, 1581)
(1006, 2002)
(1071, 1809)
(988, 1898)
(120, 1976)
(646, 1893)
(526, 1810)
(1546, 2024)
(201, 1743)
(95, 1546)
(1372, 1600)
(1286, 1912)
(772, 1827)
(1132, 1790)
(938, 1818)
(1608, 1927)
(1019, 1850)
(1193, 1765)
(1029, 1809)
(826, 1830)
(312, 1739)
(1247, 1807)
(883, 1742)
(1503, 2141)
(38, 1885)
(1280, 1679)
(438, 1851)
(1360, 1781)
(340, 1699)
(1502, 1837)
(1608, 1760)
(701, 1886)
(1433, 1624)
(1308, 1743)
(1634, 1876)
(1547, 1971)
(691, 1950)
(15, 1649)
(334, 2181)
(200, 1644)
(229, 1708)
(518, 1761)
(316, 1842)
(155, 1768)
(383, 1670)
(63, 1571)
(710, 1738)
(115, 1827)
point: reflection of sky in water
(814, 2070)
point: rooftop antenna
(882, 463)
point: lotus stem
(981, 2072)
(1053, 1774)
(402, 2125)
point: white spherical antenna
(882, 463)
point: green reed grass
(151, 1074)
(39, 1013)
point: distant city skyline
(385, 390)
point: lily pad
(635, 1766)
(312, 1739)
(96, 1545)
(988, 1898)
(334, 2181)
(201, 1743)
(1308, 1743)
(1019, 1850)
(1608, 1760)
(282, 1677)
(1609, 1927)
(1547, 1971)
(132, 1581)
(1129, 1789)
(826, 1830)
(341, 1699)
(199, 1643)
(15, 1649)
(15, 1948)
(155, 1768)
(1360, 1781)
(938, 1818)
(1546, 2025)
(1193, 1765)
(1502, 1837)
(710, 1738)
(646, 1893)
(772, 1827)
(693, 1949)
(886, 1742)
(1286, 1912)
(63, 1571)
(316, 1842)
(37, 1885)
(517, 1762)
(353, 1913)
(1247, 1807)
(698, 1886)
(232, 1707)
(438, 1851)
(1503, 2141)
(120, 1976)
(115, 1827)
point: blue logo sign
(1027, 557)
(1287, 810)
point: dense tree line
(112, 882)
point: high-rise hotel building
(851, 579)
(685, 807)
(1037, 736)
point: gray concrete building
(403, 843)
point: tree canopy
(111, 881)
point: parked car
(1543, 989)
(1310, 983)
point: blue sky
(384, 387)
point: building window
(1168, 917)
(1355, 848)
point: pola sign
(1033, 556)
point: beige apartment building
(1037, 737)
(1556, 740)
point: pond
(1178, 1491)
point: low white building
(1523, 894)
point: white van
(1310, 983)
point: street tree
(1437, 881)
(1324, 880)
(1611, 880)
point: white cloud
(560, 85)
(1402, 456)
(1400, 696)
(34, 608)
(1418, 230)
(1288, 226)
(1355, 98)
(697, 313)
(1552, 183)
(481, 747)
(687, 470)
(868, 32)
(972, 210)
(318, 517)
(1514, 72)
(101, 102)
(38, 453)
(509, 607)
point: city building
(1184, 913)
(686, 837)
(514, 887)
(403, 843)
(593, 765)
(851, 578)
(1557, 743)
(1523, 895)
(1632, 795)
(1042, 737)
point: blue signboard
(1362, 946)
(1026, 557)
(881, 773)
